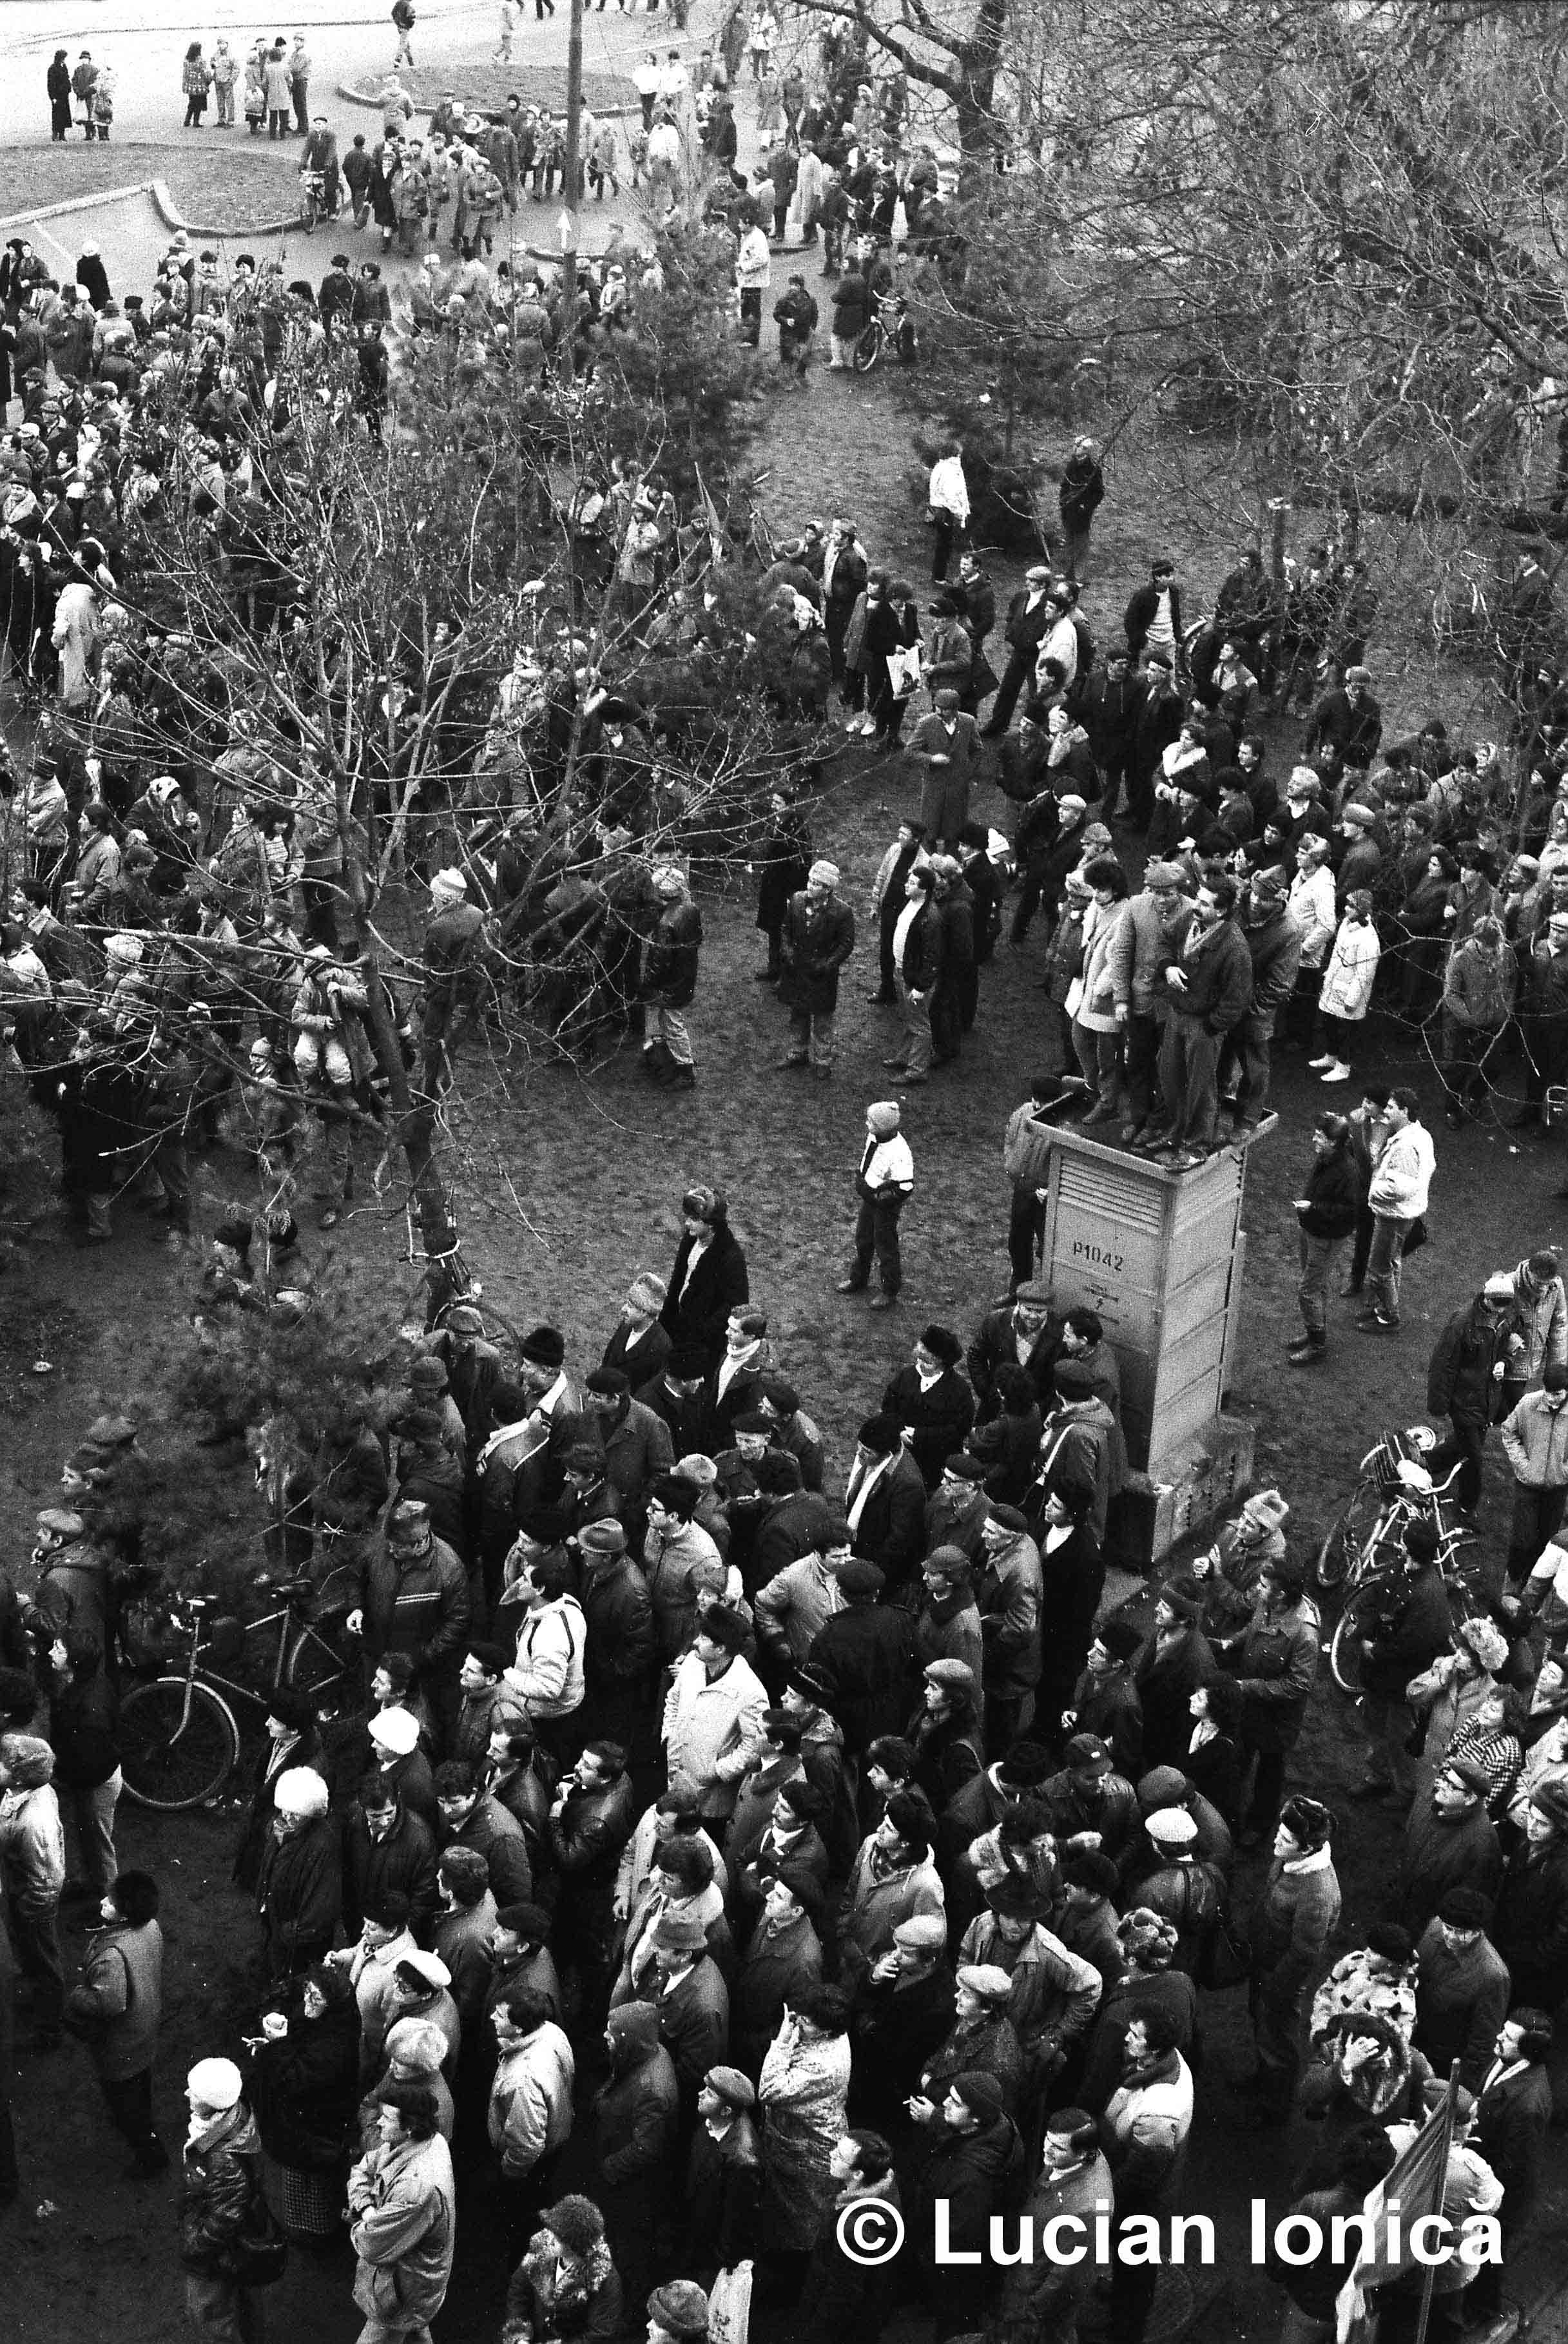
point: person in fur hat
(566, 2286)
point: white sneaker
(868, 728)
(1338, 1072)
(1317, 1065)
(852, 725)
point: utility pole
(574, 162)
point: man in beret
(1449, 1842)
(724, 2175)
(1461, 1990)
(863, 1656)
(782, 1960)
(1105, 1698)
(947, 1626)
(794, 1432)
(942, 748)
(712, 1714)
(1008, 1592)
(1016, 1333)
(693, 2003)
(473, 1365)
(884, 1499)
(816, 942)
(977, 1811)
(1091, 1806)
(975, 2166)
(902, 2011)
(618, 1658)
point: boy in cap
(883, 1183)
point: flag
(1415, 2183)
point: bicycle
(892, 324)
(312, 200)
(179, 1737)
(1360, 1549)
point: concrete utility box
(1159, 1256)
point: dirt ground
(571, 1185)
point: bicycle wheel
(169, 1760)
(1336, 1549)
(868, 349)
(1347, 1657)
(311, 1665)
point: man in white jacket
(547, 1673)
(753, 274)
(1401, 1185)
(713, 1712)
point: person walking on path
(57, 81)
(196, 80)
(403, 17)
(884, 1182)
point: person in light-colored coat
(403, 2201)
(713, 1712)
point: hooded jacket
(637, 2112)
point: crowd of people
(735, 1814)
(738, 1844)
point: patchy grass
(222, 180)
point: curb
(78, 203)
(168, 211)
(163, 203)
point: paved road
(350, 44)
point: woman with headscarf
(304, 2089)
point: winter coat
(1536, 1440)
(778, 1965)
(724, 2196)
(695, 1313)
(637, 2123)
(405, 1860)
(304, 2088)
(1541, 1316)
(1403, 1174)
(1218, 972)
(404, 2203)
(1440, 1853)
(530, 2100)
(1530, 1926)
(1460, 1379)
(1461, 1999)
(32, 1837)
(864, 1655)
(300, 1896)
(845, 2301)
(492, 1831)
(707, 1723)
(874, 1904)
(1352, 967)
(1334, 1191)
(979, 2173)
(1291, 1922)
(670, 962)
(803, 2093)
(1479, 989)
(222, 2182)
(1412, 1625)
(117, 2001)
(818, 939)
(419, 1607)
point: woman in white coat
(1347, 986)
